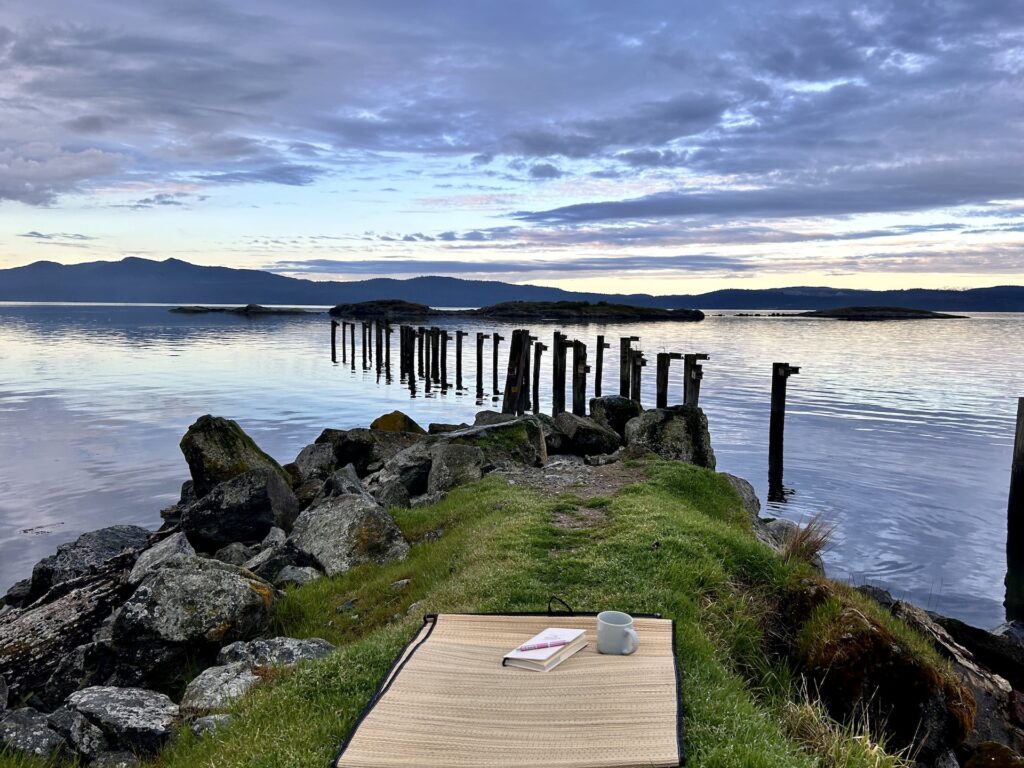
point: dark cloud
(545, 171)
(288, 174)
(56, 236)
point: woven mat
(449, 702)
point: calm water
(899, 433)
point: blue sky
(665, 147)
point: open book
(544, 659)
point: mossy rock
(217, 450)
(396, 421)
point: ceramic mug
(615, 633)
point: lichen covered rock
(586, 437)
(218, 450)
(26, 730)
(276, 651)
(614, 412)
(396, 421)
(366, 449)
(175, 545)
(132, 719)
(215, 688)
(679, 433)
(453, 465)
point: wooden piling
(352, 351)
(693, 373)
(528, 378)
(664, 363)
(364, 345)
(559, 346)
(538, 349)
(515, 373)
(334, 341)
(379, 344)
(444, 359)
(580, 369)
(602, 345)
(777, 427)
(387, 347)
(625, 364)
(496, 339)
(420, 333)
(1015, 525)
(480, 365)
(459, 335)
(637, 364)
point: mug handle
(634, 642)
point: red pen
(538, 646)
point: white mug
(615, 633)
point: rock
(3, 696)
(519, 440)
(601, 461)
(269, 563)
(400, 585)
(679, 433)
(311, 468)
(348, 530)
(276, 651)
(275, 538)
(1000, 651)
(84, 555)
(175, 545)
(487, 418)
(89, 664)
(946, 760)
(26, 730)
(614, 412)
(216, 688)
(243, 509)
(404, 475)
(425, 500)
(440, 429)
(454, 465)
(80, 735)
(391, 493)
(34, 640)
(115, 760)
(132, 719)
(342, 482)
(18, 595)
(585, 436)
(747, 494)
(204, 726)
(881, 596)
(366, 447)
(189, 609)
(172, 514)
(348, 605)
(235, 553)
(218, 450)
(992, 755)
(396, 421)
(555, 441)
(296, 576)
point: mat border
(431, 618)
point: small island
(248, 310)
(394, 309)
(879, 313)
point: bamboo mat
(449, 702)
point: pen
(538, 646)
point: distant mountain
(178, 282)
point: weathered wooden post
(387, 347)
(528, 378)
(1015, 525)
(625, 364)
(480, 365)
(435, 353)
(776, 429)
(602, 345)
(363, 343)
(514, 376)
(494, 372)
(638, 362)
(459, 335)
(664, 362)
(379, 340)
(352, 351)
(559, 346)
(334, 341)
(580, 369)
(538, 349)
(693, 373)
(444, 359)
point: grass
(678, 544)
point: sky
(660, 147)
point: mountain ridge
(173, 281)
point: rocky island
(255, 623)
(879, 314)
(249, 310)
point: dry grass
(808, 542)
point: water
(899, 433)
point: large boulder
(311, 468)
(342, 482)
(1001, 651)
(454, 465)
(366, 449)
(396, 421)
(275, 651)
(26, 730)
(217, 450)
(35, 640)
(344, 531)
(269, 563)
(84, 555)
(131, 719)
(215, 688)
(80, 736)
(520, 440)
(172, 515)
(175, 545)
(614, 412)
(679, 433)
(190, 607)
(403, 476)
(242, 509)
(585, 437)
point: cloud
(545, 171)
(293, 175)
(56, 236)
(38, 173)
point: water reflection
(908, 457)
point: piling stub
(625, 364)
(1015, 525)
(496, 339)
(602, 345)
(693, 374)
(776, 430)
(580, 369)
(559, 345)
(334, 341)
(538, 350)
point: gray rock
(365, 447)
(174, 545)
(342, 482)
(269, 563)
(84, 555)
(487, 418)
(348, 530)
(216, 688)
(401, 585)
(881, 596)
(396, 421)
(586, 437)
(119, 759)
(1001, 651)
(946, 760)
(454, 465)
(679, 433)
(435, 428)
(747, 494)
(602, 461)
(520, 441)
(555, 440)
(18, 595)
(3, 695)
(204, 726)
(189, 607)
(390, 493)
(172, 514)
(26, 730)
(315, 462)
(88, 664)
(403, 476)
(275, 538)
(235, 553)
(218, 450)
(131, 719)
(242, 509)
(296, 576)
(78, 733)
(275, 652)
(426, 499)
(614, 412)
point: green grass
(678, 544)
